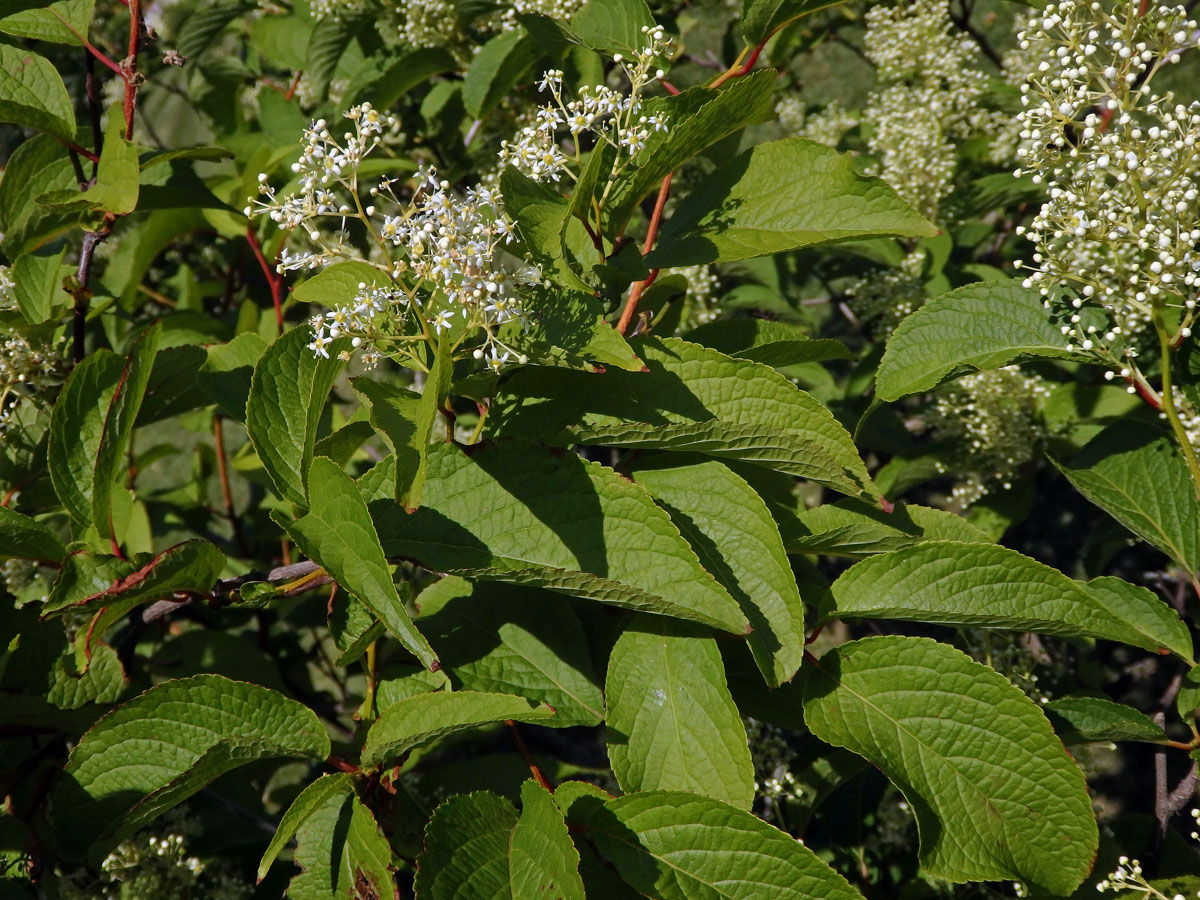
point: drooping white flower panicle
(993, 417)
(1117, 235)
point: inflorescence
(604, 114)
(1116, 237)
(439, 256)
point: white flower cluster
(607, 115)
(451, 247)
(928, 101)
(561, 10)
(25, 368)
(829, 125)
(882, 299)
(334, 9)
(157, 865)
(1128, 877)
(439, 256)
(328, 180)
(993, 416)
(1121, 168)
(703, 286)
(428, 23)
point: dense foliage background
(561, 449)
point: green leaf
(37, 165)
(406, 72)
(731, 530)
(1187, 701)
(568, 329)
(774, 344)
(1081, 719)
(103, 682)
(613, 26)
(37, 284)
(697, 119)
(782, 196)
(119, 174)
(118, 425)
(467, 849)
(518, 513)
(984, 325)
(60, 23)
(89, 583)
(287, 394)
(542, 216)
(1138, 476)
(477, 846)
(988, 586)
(337, 285)
(671, 722)
(406, 420)
(427, 718)
(496, 68)
(23, 538)
(341, 853)
(33, 94)
(543, 860)
(678, 846)
(77, 425)
(328, 41)
(856, 529)
(115, 771)
(995, 795)
(762, 18)
(205, 23)
(310, 801)
(691, 398)
(227, 372)
(513, 640)
(338, 534)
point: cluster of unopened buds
(994, 418)
(1116, 238)
(928, 101)
(605, 114)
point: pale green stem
(1168, 402)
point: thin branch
(962, 21)
(273, 279)
(82, 295)
(534, 769)
(93, 100)
(635, 292)
(129, 70)
(235, 520)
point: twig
(273, 279)
(81, 294)
(534, 769)
(235, 520)
(129, 65)
(963, 22)
(635, 292)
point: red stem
(273, 279)
(129, 65)
(635, 293)
(534, 769)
